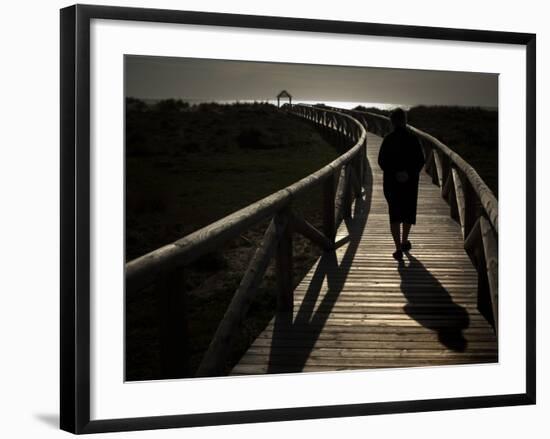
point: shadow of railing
(310, 318)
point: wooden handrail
(142, 270)
(347, 168)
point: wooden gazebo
(284, 94)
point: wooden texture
(358, 308)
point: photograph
(271, 218)
(284, 218)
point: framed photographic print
(274, 218)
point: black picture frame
(75, 217)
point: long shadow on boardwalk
(307, 321)
(430, 304)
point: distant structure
(284, 94)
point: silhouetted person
(401, 159)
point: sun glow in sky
(351, 105)
(207, 80)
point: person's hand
(401, 176)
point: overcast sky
(219, 80)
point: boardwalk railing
(341, 180)
(472, 204)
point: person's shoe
(406, 246)
(398, 255)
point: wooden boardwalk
(357, 308)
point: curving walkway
(358, 308)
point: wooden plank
(345, 300)
(260, 369)
(443, 308)
(482, 346)
(439, 318)
(367, 324)
(331, 337)
(345, 354)
(346, 362)
(338, 332)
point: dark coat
(401, 151)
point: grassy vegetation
(471, 132)
(187, 166)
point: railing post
(364, 162)
(358, 170)
(446, 178)
(173, 329)
(346, 132)
(490, 250)
(329, 194)
(285, 296)
(439, 179)
(341, 135)
(435, 169)
(452, 198)
(470, 206)
(348, 191)
(429, 163)
(484, 304)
